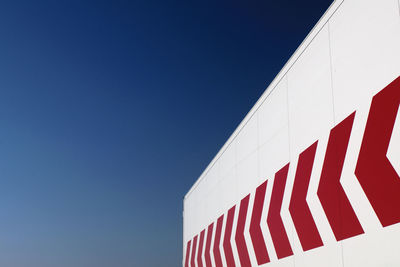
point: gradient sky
(110, 110)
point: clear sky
(110, 110)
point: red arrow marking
(338, 210)
(200, 250)
(194, 244)
(274, 219)
(239, 237)
(374, 171)
(301, 215)
(230, 261)
(208, 245)
(256, 235)
(217, 253)
(187, 253)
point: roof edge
(288, 65)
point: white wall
(350, 55)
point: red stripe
(338, 210)
(301, 214)
(194, 244)
(256, 235)
(239, 237)
(377, 177)
(187, 253)
(208, 245)
(200, 250)
(230, 261)
(274, 219)
(217, 253)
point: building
(311, 175)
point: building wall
(350, 56)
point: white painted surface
(349, 56)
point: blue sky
(110, 110)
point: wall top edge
(282, 73)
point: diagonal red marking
(217, 239)
(200, 250)
(256, 235)
(239, 237)
(378, 178)
(298, 207)
(274, 219)
(230, 261)
(208, 245)
(187, 253)
(338, 210)
(194, 244)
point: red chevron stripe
(208, 245)
(298, 207)
(230, 261)
(200, 250)
(274, 219)
(338, 210)
(217, 253)
(377, 177)
(239, 237)
(256, 235)
(187, 253)
(194, 245)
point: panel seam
(398, 2)
(331, 72)
(288, 121)
(288, 115)
(333, 104)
